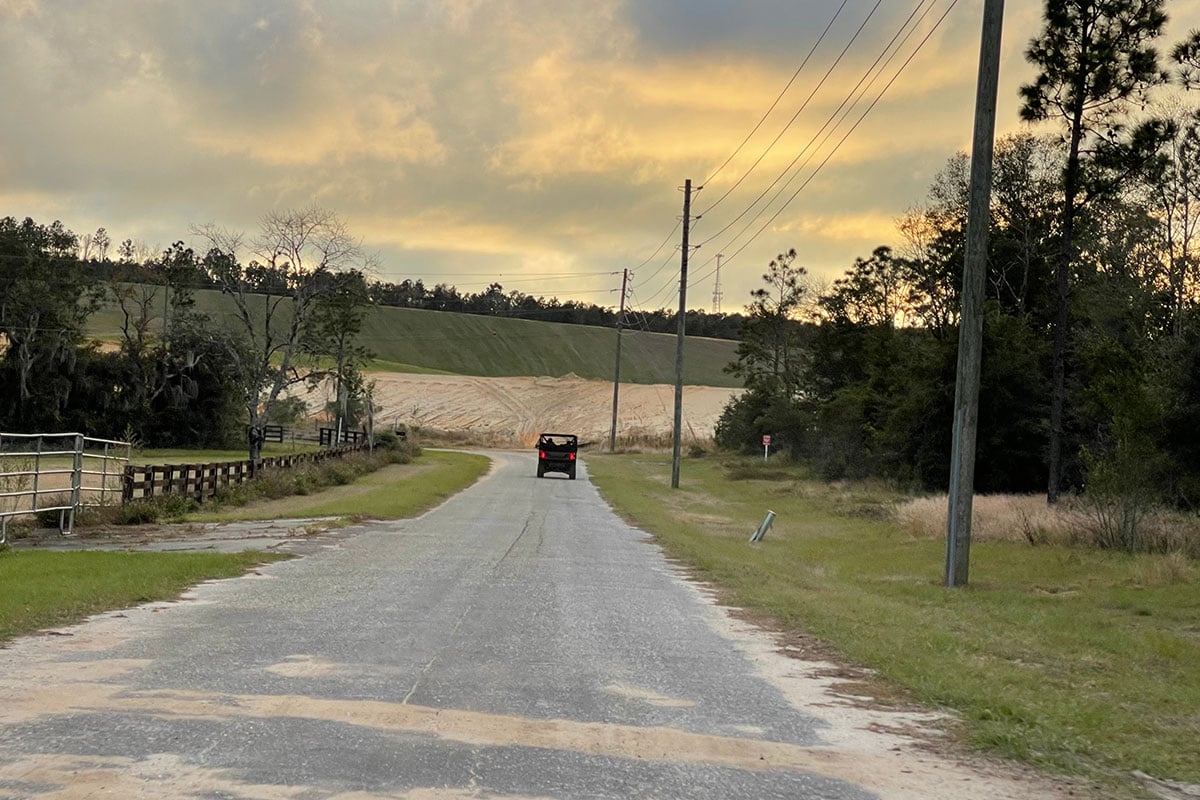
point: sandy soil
(517, 409)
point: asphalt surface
(519, 641)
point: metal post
(37, 471)
(681, 328)
(970, 337)
(763, 527)
(104, 477)
(76, 484)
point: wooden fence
(328, 436)
(201, 481)
(272, 433)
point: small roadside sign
(766, 439)
(766, 445)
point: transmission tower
(717, 293)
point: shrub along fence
(202, 481)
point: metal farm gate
(60, 472)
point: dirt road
(520, 641)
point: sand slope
(520, 408)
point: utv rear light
(541, 454)
(571, 456)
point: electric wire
(833, 116)
(778, 98)
(799, 111)
(844, 113)
(658, 249)
(516, 285)
(863, 116)
(671, 282)
(526, 274)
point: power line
(669, 259)
(853, 127)
(791, 80)
(889, 46)
(672, 283)
(804, 105)
(517, 285)
(658, 249)
(645, 304)
(521, 274)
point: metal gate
(60, 472)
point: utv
(556, 453)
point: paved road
(519, 641)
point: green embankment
(414, 340)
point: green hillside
(412, 340)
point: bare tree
(291, 259)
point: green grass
(46, 589)
(383, 365)
(167, 455)
(402, 490)
(415, 340)
(1078, 661)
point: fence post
(76, 483)
(104, 476)
(37, 471)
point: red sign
(766, 439)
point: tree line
(1091, 363)
(495, 301)
(178, 377)
(299, 289)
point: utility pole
(970, 335)
(682, 326)
(717, 293)
(612, 435)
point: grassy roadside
(1083, 662)
(399, 490)
(41, 589)
(44, 589)
(165, 455)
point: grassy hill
(412, 340)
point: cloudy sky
(538, 143)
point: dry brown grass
(1167, 570)
(511, 440)
(997, 518)
(433, 437)
(1028, 518)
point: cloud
(512, 136)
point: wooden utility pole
(970, 335)
(612, 435)
(681, 327)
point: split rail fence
(201, 481)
